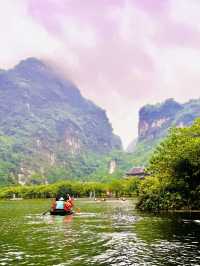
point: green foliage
(143, 151)
(175, 170)
(9, 160)
(121, 187)
(47, 127)
(123, 160)
(172, 114)
(85, 167)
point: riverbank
(116, 188)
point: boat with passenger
(61, 212)
(62, 206)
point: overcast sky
(122, 54)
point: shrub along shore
(116, 188)
(174, 182)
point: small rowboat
(60, 212)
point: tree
(175, 166)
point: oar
(46, 212)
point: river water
(103, 233)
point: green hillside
(155, 122)
(48, 130)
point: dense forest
(174, 181)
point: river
(103, 233)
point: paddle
(46, 212)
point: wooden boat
(61, 212)
(16, 199)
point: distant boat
(15, 198)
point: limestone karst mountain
(155, 122)
(47, 125)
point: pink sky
(122, 54)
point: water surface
(103, 233)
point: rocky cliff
(156, 120)
(46, 123)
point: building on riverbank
(136, 171)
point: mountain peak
(50, 123)
(32, 64)
(31, 61)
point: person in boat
(68, 205)
(62, 204)
(69, 198)
(53, 204)
(57, 204)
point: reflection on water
(102, 233)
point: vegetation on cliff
(174, 182)
(155, 122)
(47, 128)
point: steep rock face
(155, 122)
(46, 119)
(154, 119)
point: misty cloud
(121, 54)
